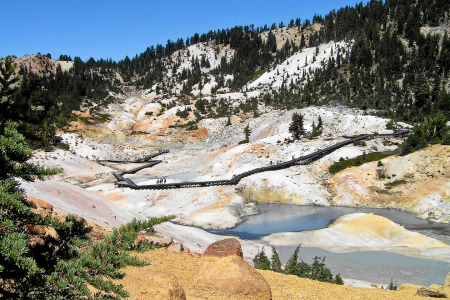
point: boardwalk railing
(303, 160)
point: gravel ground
(183, 267)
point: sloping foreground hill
(183, 266)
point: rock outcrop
(224, 248)
(423, 292)
(233, 275)
(40, 206)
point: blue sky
(115, 29)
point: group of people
(280, 161)
(160, 181)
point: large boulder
(232, 274)
(224, 248)
(161, 286)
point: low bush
(392, 286)
(357, 161)
(396, 183)
(359, 143)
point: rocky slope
(140, 122)
(417, 183)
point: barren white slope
(300, 63)
(224, 207)
(70, 199)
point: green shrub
(63, 146)
(396, 183)
(261, 261)
(392, 286)
(319, 271)
(184, 114)
(357, 161)
(359, 143)
(390, 125)
(338, 279)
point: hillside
(229, 101)
(183, 267)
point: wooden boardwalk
(303, 160)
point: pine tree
(320, 123)
(292, 265)
(261, 261)
(319, 271)
(296, 127)
(275, 265)
(247, 132)
(36, 266)
(302, 42)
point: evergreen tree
(338, 279)
(6, 79)
(271, 42)
(36, 266)
(319, 271)
(302, 42)
(261, 261)
(275, 265)
(320, 123)
(247, 132)
(292, 267)
(296, 127)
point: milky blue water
(282, 218)
(375, 266)
(378, 267)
